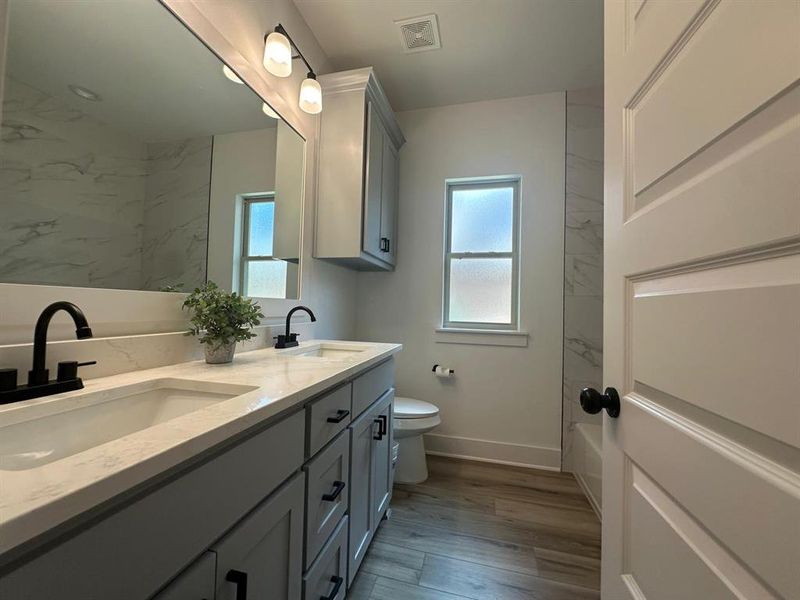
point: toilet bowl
(412, 419)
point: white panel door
(701, 470)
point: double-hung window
(481, 261)
(261, 275)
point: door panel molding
(723, 573)
(746, 502)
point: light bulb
(231, 75)
(278, 55)
(311, 95)
(267, 109)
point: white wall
(235, 30)
(505, 402)
(242, 163)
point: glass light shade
(231, 75)
(267, 110)
(311, 96)
(278, 55)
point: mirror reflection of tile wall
(107, 150)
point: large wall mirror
(130, 159)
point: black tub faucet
(289, 339)
(39, 383)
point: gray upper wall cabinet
(357, 190)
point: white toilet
(412, 419)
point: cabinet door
(382, 461)
(373, 187)
(389, 200)
(369, 477)
(264, 552)
(361, 490)
(195, 583)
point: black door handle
(593, 401)
(338, 486)
(385, 244)
(337, 585)
(239, 578)
(340, 416)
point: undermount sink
(94, 418)
(331, 350)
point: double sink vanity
(265, 478)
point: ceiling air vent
(419, 33)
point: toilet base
(412, 466)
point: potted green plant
(221, 319)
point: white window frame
(449, 255)
(244, 258)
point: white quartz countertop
(37, 500)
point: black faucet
(289, 340)
(39, 383)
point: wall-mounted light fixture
(279, 51)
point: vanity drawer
(371, 386)
(329, 571)
(327, 417)
(328, 492)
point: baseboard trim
(517, 455)
(589, 495)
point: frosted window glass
(261, 225)
(482, 219)
(480, 290)
(266, 279)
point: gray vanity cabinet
(370, 477)
(359, 142)
(195, 583)
(264, 552)
(284, 513)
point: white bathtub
(588, 462)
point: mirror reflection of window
(262, 275)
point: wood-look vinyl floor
(484, 532)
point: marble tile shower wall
(583, 260)
(175, 216)
(71, 192)
(84, 204)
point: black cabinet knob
(593, 401)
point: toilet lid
(409, 408)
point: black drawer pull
(240, 579)
(340, 416)
(338, 486)
(378, 436)
(337, 585)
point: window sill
(481, 337)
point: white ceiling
(158, 82)
(490, 48)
